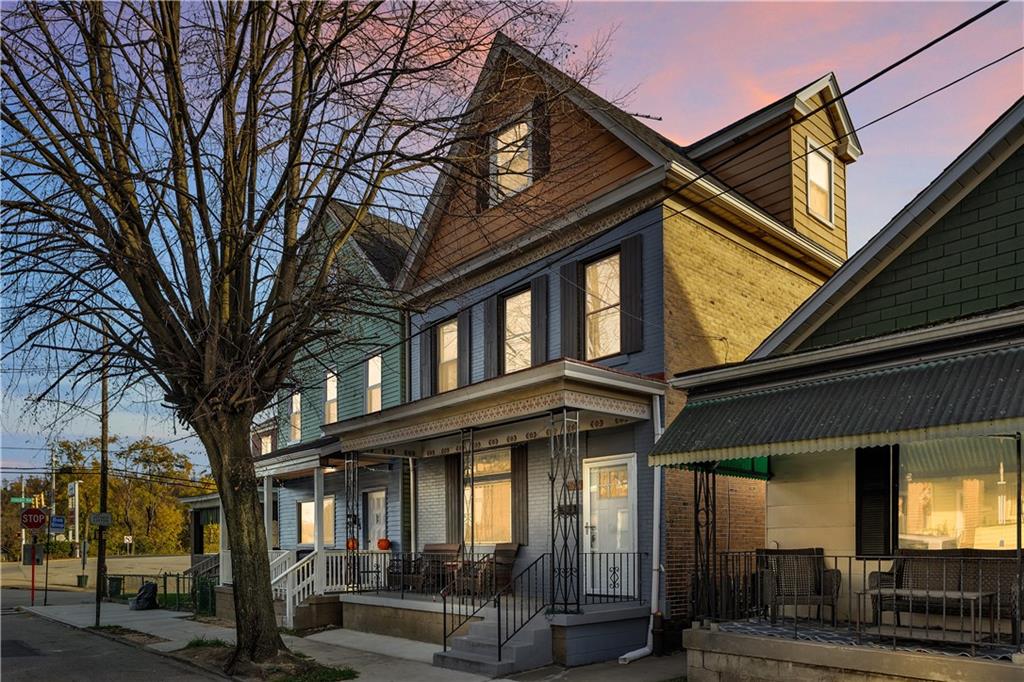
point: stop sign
(33, 519)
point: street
(34, 648)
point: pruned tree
(163, 166)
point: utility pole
(101, 545)
(22, 477)
(49, 529)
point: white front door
(376, 517)
(610, 563)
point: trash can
(115, 583)
(204, 596)
(83, 581)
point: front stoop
(477, 652)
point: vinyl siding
(819, 127)
(970, 261)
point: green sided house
(886, 416)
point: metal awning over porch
(969, 394)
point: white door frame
(590, 463)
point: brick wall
(724, 292)
(970, 261)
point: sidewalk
(375, 657)
(403, 661)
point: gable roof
(799, 101)
(971, 167)
(382, 241)
(661, 152)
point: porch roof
(966, 394)
(607, 396)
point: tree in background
(163, 170)
(147, 480)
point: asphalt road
(34, 649)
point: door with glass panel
(376, 517)
(609, 559)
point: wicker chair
(797, 577)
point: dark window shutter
(491, 337)
(570, 304)
(465, 328)
(539, 320)
(876, 476)
(541, 138)
(632, 317)
(453, 495)
(520, 495)
(481, 163)
(427, 364)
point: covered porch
(892, 524)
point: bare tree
(163, 166)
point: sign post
(32, 520)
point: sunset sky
(701, 66)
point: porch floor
(844, 636)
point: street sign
(27, 554)
(57, 524)
(101, 519)
(128, 539)
(33, 519)
(21, 500)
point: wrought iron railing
(471, 589)
(612, 577)
(518, 602)
(954, 600)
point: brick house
(888, 412)
(570, 259)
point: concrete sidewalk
(377, 658)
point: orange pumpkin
(351, 544)
(383, 544)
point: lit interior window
(447, 356)
(603, 309)
(517, 332)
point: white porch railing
(295, 585)
(280, 561)
(355, 571)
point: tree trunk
(228, 445)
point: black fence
(175, 591)
(963, 600)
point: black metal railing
(404, 573)
(174, 591)
(612, 577)
(470, 589)
(953, 600)
(526, 595)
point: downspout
(656, 568)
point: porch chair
(479, 577)
(797, 577)
(439, 563)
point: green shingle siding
(970, 261)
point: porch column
(268, 511)
(320, 559)
(565, 511)
(222, 546)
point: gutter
(656, 568)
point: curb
(114, 638)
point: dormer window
(510, 161)
(820, 182)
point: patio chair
(405, 572)
(439, 564)
(797, 577)
(480, 577)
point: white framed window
(820, 182)
(295, 418)
(517, 332)
(266, 444)
(373, 383)
(307, 521)
(447, 355)
(602, 329)
(489, 495)
(330, 397)
(510, 161)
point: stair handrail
(532, 574)
(293, 587)
(204, 568)
(486, 596)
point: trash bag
(145, 599)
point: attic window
(510, 161)
(820, 182)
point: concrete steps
(477, 651)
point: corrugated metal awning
(974, 394)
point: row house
(479, 477)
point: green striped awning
(973, 394)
